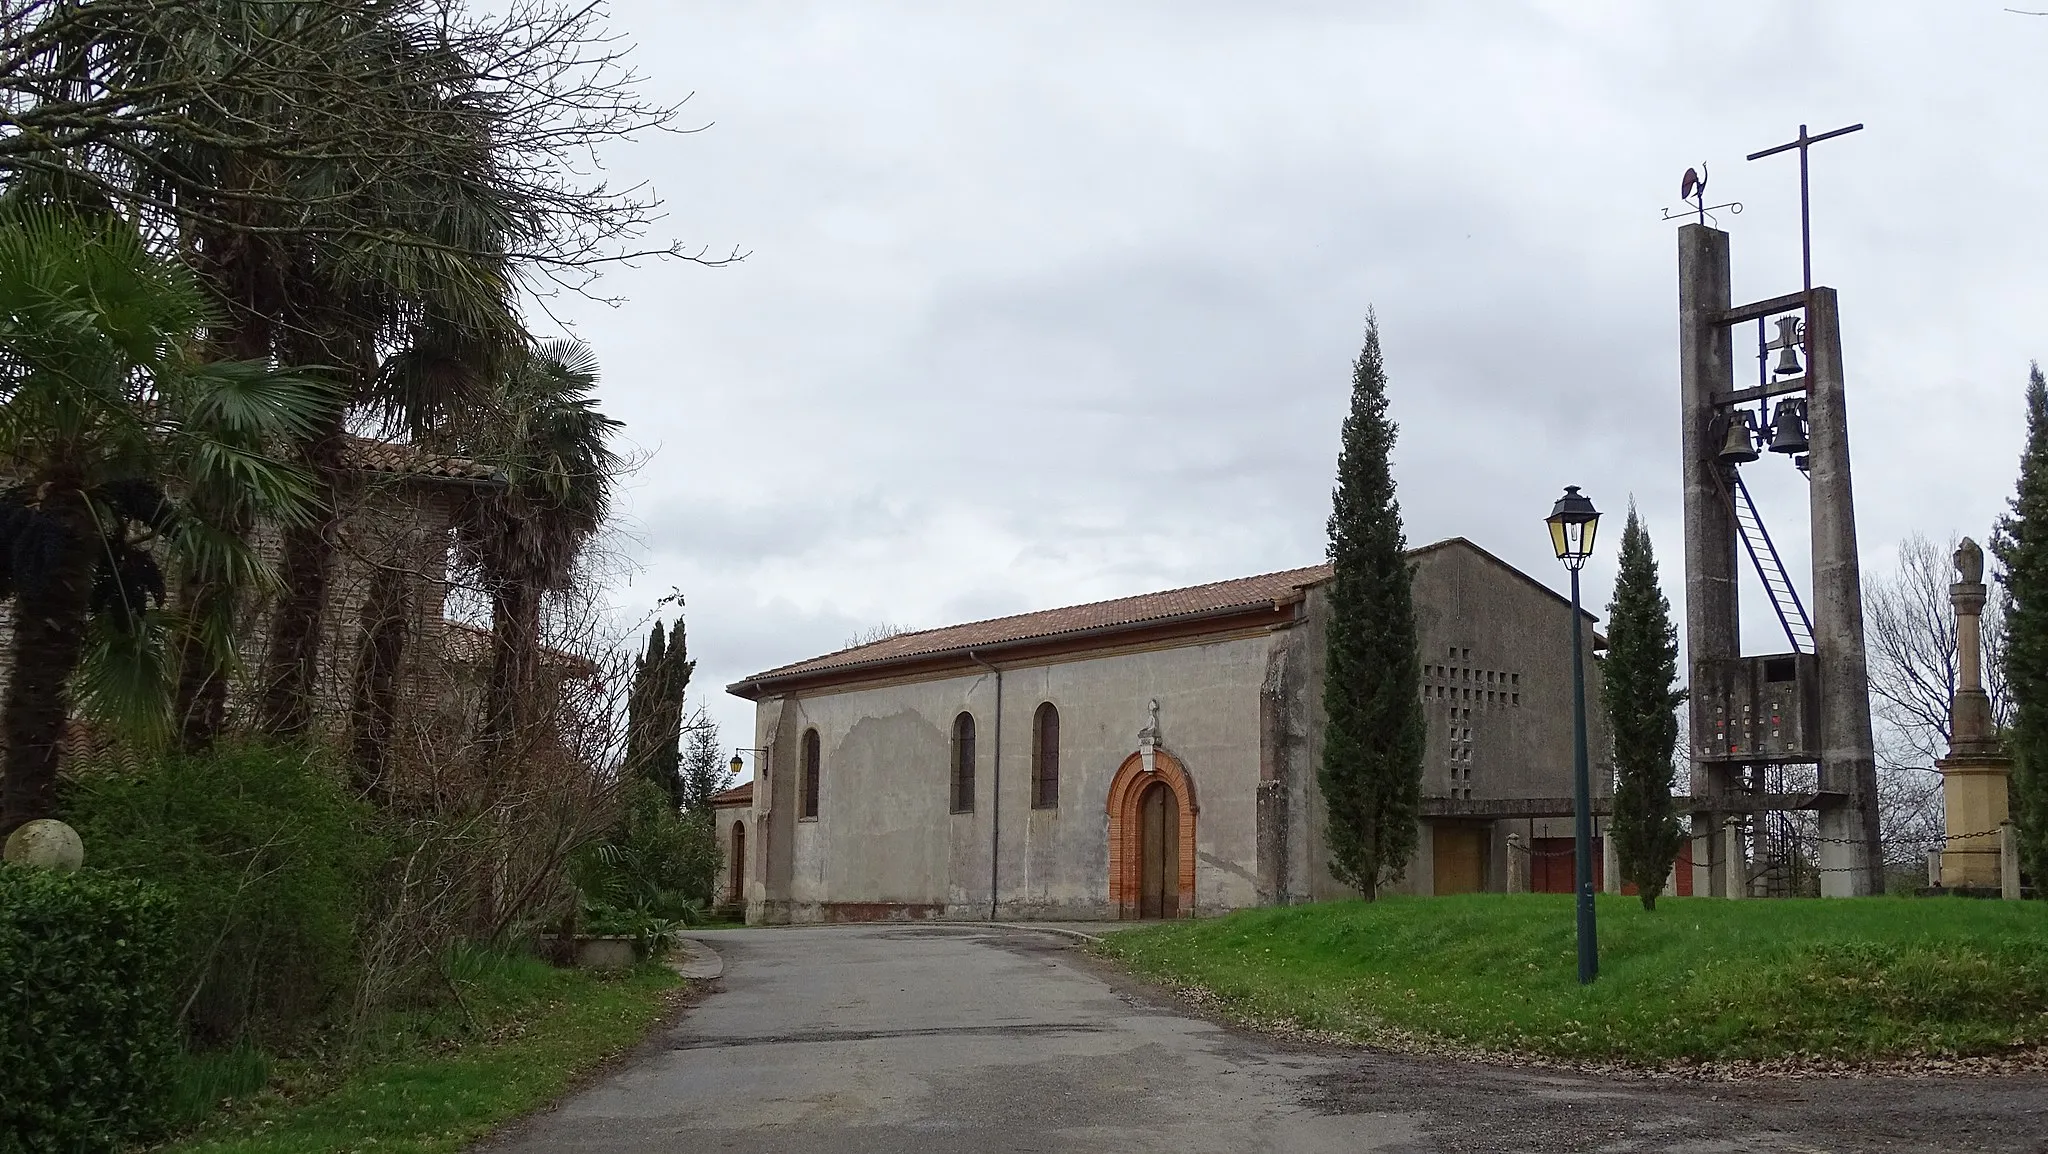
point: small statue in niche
(1148, 737)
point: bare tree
(1911, 631)
(881, 632)
(1911, 634)
(115, 97)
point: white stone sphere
(48, 843)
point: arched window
(810, 806)
(963, 763)
(1045, 757)
(738, 873)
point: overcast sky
(1048, 303)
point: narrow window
(1045, 757)
(810, 756)
(963, 763)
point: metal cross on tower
(1805, 226)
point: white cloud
(1055, 302)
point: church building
(1150, 756)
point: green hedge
(270, 861)
(86, 1009)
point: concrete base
(1706, 880)
(1844, 864)
(1735, 861)
(590, 952)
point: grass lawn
(436, 1079)
(1701, 978)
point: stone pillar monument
(1974, 773)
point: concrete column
(1671, 881)
(2008, 863)
(1518, 864)
(1706, 850)
(1736, 857)
(1610, 864)
(1975, 774)
(1422, 867)
(1713, 628)
(1933, 868)
(1850, 862)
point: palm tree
(429, 288)
(106, 408)
(320, 247)
(543, 429)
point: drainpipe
(995, 801)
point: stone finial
(1969, 563)
(1148, 737)
(47, 843)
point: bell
(1787, 345)
(1788, 428)
(1788, 362)
(1739, 446)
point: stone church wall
(886, 844)
(1243, 712)
(1497, 710)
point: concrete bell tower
(1811, 705)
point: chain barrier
(1526, 851)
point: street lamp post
(1573, 522)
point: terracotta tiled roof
(741, 794)
(1218, 596)
(400, 458)
(470, 645)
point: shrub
(655, 860)
(87, 967)
(270, 860)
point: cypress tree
(2021, 545)
(1371, 775)
(1639, 687)
(654, 711)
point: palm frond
(125, 678)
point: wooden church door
(1159, 853)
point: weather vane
(1805, 230)
(1693, 189)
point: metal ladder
(1770, 568)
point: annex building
(1150, 756)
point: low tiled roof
(400, 458)
(470, 645)
(741, 794)
(1215, 597)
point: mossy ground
(435, 1080)
(1697, 979)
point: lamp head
(1573, 522)
(737, 766)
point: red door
(1553, 866)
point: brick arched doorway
(1160, 851)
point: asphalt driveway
(941, 1039)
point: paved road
(957, 1039)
